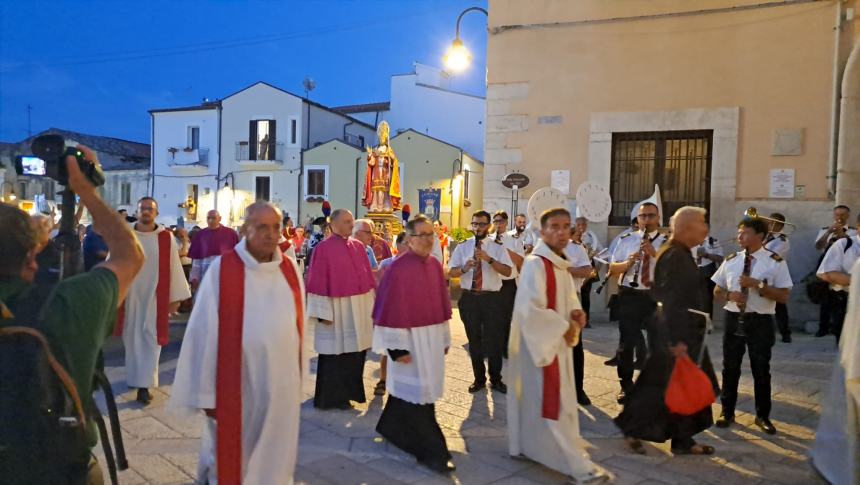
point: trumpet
(752, 213)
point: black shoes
(477, 386)
(143, 396)
(639, 364)
(613, 362)
(786, 338)
(725, 420)
(821, 333)
(622, 397)
(440, 466)
(582, 398)
(499, 386)
(765, 425)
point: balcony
(188, 157)
(272, 153)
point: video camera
(49, 161)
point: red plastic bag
(689, 390)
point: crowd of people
(525, 296)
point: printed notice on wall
(782, 183)
(560, 180)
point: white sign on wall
(782, 183)
(560, 180)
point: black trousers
(824, 313)
(507, 295)
(482, 315)
(579, 367)
(635, 311)
(838, 308)
(781, 318)
(760, 338)
(585, 297)
(708, 286)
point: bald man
(209, 243)
(258, 341)
(676, 332)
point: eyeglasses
(480, 224)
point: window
(125, 193)
(678, 161)
(263, 188)
(193, 137)
(294, 127)
(261, 140)
(316, 181)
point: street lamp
(458, 57)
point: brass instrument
(752, 213)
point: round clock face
(543, 200)
(593, 201)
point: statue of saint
(382, 181)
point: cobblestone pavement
(341, 447)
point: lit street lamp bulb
(458, 56)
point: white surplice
(351, 329)
(836, 453)
(421, 381)
(139, 332)
(271, 377)
(537, 338)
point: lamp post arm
(464, 12)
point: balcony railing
(260, 153)
(188, 157)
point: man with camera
(76, 319)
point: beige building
(724, 104)
(335, 171)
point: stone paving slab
(342, 447)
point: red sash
(228, 383)
(162, 294)
(285, 246)
(551, 373)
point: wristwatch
(491, 261)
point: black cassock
(677, 285)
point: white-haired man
(247, 327)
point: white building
(423, 101)
(247, 146)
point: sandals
(379, 390)
(696, 449)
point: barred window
(678, 161)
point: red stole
(551, 373)
(162, 293)
(285, 246)
(228, 380)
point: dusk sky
(96, 67)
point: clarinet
(740, 332)
(634, 283)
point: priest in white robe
(155, 293)
(412, 329)
(542, 407)
(836, 453)
(340, 289)
(244, 339)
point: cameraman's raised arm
(126, 255)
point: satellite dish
(543, 200)
(309, 85)
(593, 202)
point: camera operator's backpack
(42, 420)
